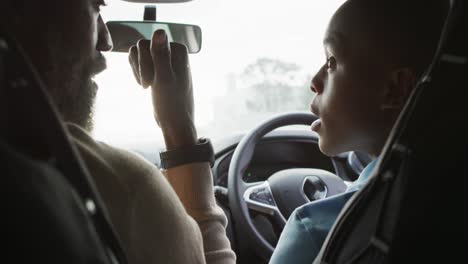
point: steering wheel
(278, 196)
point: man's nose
(316, 84)
(104, 42)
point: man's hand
(166, 69)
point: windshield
(256, 61)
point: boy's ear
(399, 88)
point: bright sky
(235, 34)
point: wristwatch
(202, 151)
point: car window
(256, 61)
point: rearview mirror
(127, 33)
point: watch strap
(202, 151)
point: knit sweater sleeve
(193, 184)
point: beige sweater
(149, 218)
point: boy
(376, 51)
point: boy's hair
(407, 31)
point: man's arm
(193, 184)
(166, 69)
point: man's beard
(74, 92)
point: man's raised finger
(133, 60)
(145, 62)
(161, 55)
(180, 61)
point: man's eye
(331, 63)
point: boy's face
(350, 89)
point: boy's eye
(331, 63)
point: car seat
(414, 209)
(51, 210)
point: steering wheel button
(261, 197)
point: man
(376, 51)
(64, 41)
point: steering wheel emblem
(313, 188)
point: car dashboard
(280, 150)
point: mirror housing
(125, 34)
